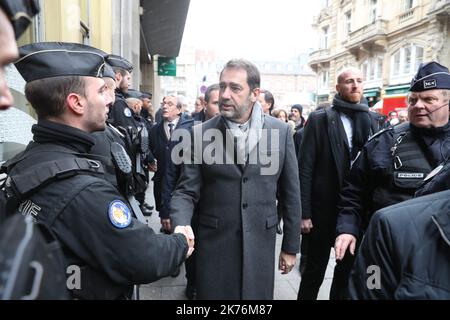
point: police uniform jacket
(409, 244)
(121, 114)
(237, 215)
(92, 220)
(375, 182)
(102, 148)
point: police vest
(408, 170)
(20, 186)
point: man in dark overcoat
(331, 139)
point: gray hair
(132, 101)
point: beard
(237, 112)
(123, 87)
(96, 119)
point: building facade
(387, 40)
(138, 30)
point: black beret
(53, 59)
(20, 13)
(299, 107)
(119, 62)
(430, 76)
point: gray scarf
(248, 140)
(361, 124)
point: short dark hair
(48, 96)
(210, 89)
(253, 76)
(268, 97)
(122, 72)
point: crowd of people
(374, 189)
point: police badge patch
(428, 84)
(127, 112)
(119, 214)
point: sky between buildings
(252, 29)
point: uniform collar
(52, 132)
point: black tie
(170, 129)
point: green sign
(371, 93)
(397, 89)
(167, 66)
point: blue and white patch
(127, 112)
(119, 214)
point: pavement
(286, 286)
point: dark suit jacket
(237, 215)
(324, 163)
(160, 147)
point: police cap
(430, 76)
(20, 13)
(146, 95)
(53, 59)
(132, 93)
(119, 62)
(109, 72)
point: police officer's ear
(119, 77)
(76, 103)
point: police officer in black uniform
(91, 219)
(32, 248)
(395, 162)
(106, 138)
(122, 116)
(120, 113)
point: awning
(397, 90)
(163, 24)
(372, 92)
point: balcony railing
(368, 33)
(319, 55)
(406, 15)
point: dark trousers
(320, 243)
(190, 262)
(340, 278)
(303, 252)
(140, 197)
(190, 269)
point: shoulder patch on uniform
(320, 111)
(127, 112)
(379, 133)
(119, 214)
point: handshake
(189, 234)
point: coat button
(245, 180)
(244, 205)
